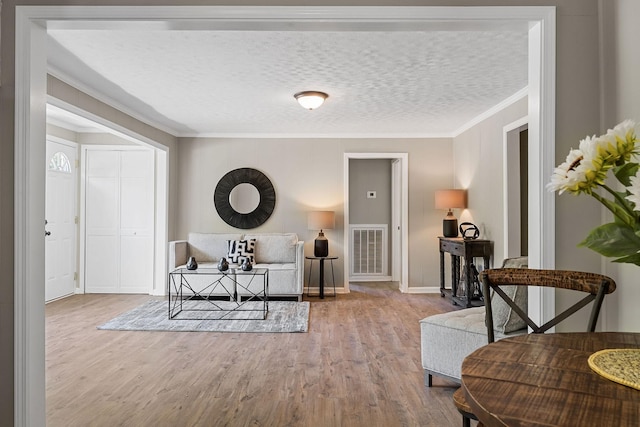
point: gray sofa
(447, 338)
(281, 253)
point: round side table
(321, 275)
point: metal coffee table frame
(181, 292)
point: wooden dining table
(545, 380)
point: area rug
(283, 316)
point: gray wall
(621, 102)
(370, 175)
(478, 155)
(62, 133)
(315, 185)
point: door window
(60, 162)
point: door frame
(161, 185)
(397, 223)
(30, 117)
(403, 209)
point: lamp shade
(450, 199)
(321, 220)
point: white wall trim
(30, 100)
(541, 101)
(371, 279)
(30, 147)
(424, 290)
(522, 93)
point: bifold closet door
(119, 221)
(136, 221)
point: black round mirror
(225, 198)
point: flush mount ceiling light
(310, 99)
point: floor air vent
(369, 248)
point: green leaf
(613, 240)
(626, 171)
(631, 259)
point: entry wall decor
(265, 206)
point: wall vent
(369, 252)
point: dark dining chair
(506, 282)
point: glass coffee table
(211, 294)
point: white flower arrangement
(586, 170)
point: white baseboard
(423, 290)
(370, 279)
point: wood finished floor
(359, 365)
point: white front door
(60, 214)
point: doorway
(30, 95)
(399, 217)
(516, 184)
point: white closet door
(119, 221)
(136, 221)
(102, 221)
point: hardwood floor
(359, 365)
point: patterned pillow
(239, 250)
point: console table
(468, 249)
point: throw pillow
(505, 320)
(239, 250)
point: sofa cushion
(447, 338)
(274, 248)
(209, 247)
(240, 250)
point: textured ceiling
(241, 83)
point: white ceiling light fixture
(310, 99)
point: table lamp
(450, 199)
(321, 220)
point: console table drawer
(452, 247)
